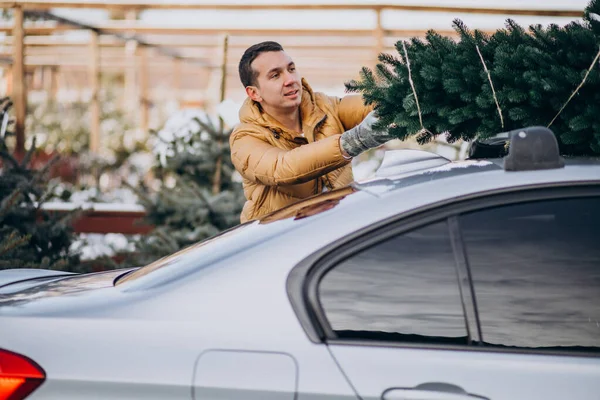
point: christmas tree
(480, 85)
(66, 125)
(29, 236)
(198, 195)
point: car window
(238, 238)
(176, 258)
(402, 289)
(536, 273)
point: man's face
(278, 83)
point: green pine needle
(533, 72)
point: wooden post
(223, 75)
(379, 35)
(19, 93)
(47, 82)
(176, 90)
(94, 73)
(54, 84)
(50, 82)
(130, 80)
(37, 78)
(143, 99)
(130, 77)
(8, 80)
(218, 165)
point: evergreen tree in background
(440, 86)
(66, 125)
(29, 237)
(198, 195)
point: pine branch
(45, 171)
(10, 201)
(390, 60)
(9, 158)
(592, 16)
(462, 30)
(353, 86)
(27, 159)
(12, 242)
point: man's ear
(252, 92)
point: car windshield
(234, 240)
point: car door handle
(431, 391)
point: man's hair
(247, 75)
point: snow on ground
(93, 245)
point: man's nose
(290, 79)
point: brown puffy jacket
(278, 166)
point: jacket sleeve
(352, 110)
(259, 161)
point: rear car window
(235, 240)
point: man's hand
(362, 137)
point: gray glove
(362, 137)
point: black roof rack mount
(532, 148)
(492, 147)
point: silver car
(467, 280)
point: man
(291, 142)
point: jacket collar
(252, 113)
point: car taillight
(19, 376)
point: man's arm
(352, 110)
(358, 121)
(258, 161)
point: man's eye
(274, 76)
(292, 69)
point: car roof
(412, 173)
(575, 169)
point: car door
(500, 303)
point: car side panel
(150, 343)
(69, 389)
(234, 374)
(496, 376)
